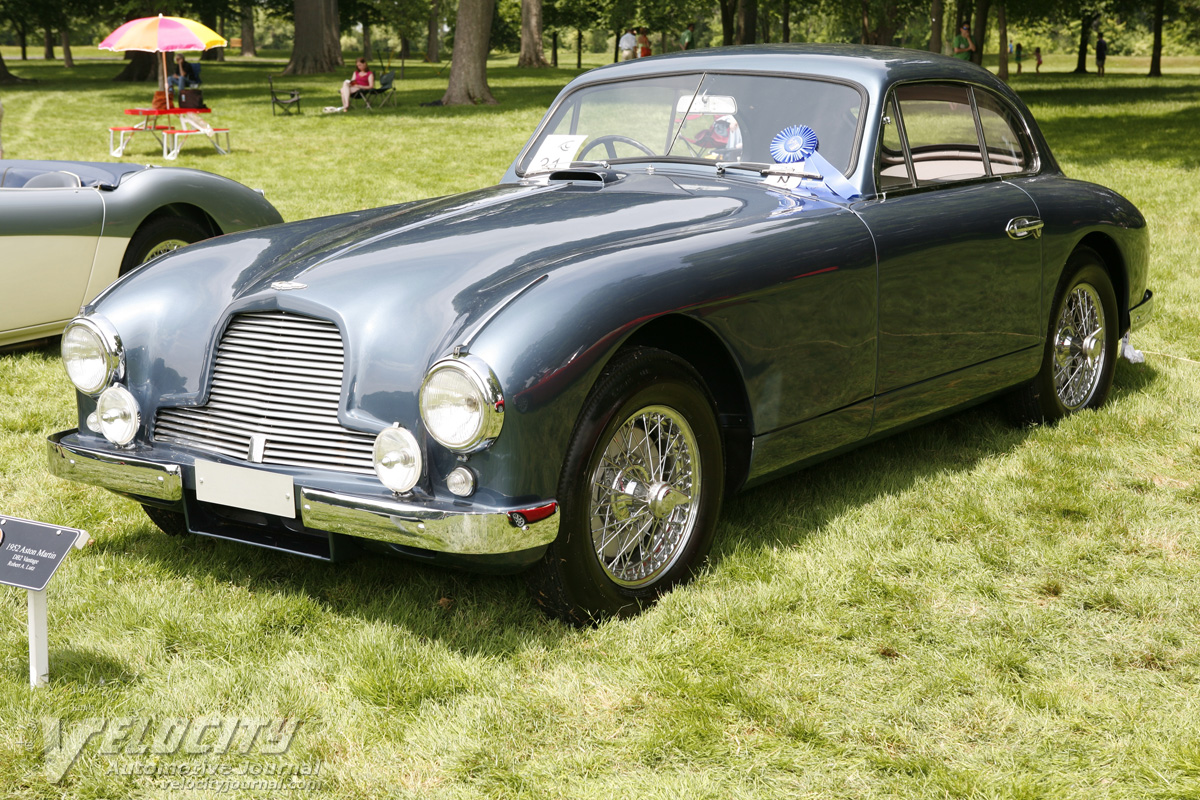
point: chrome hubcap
(643, 496)
(162, 248)
(1079, 356)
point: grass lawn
(964, 610)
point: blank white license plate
(251, 489)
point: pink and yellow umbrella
(161, 34)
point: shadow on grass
(225, 82)
(1069, 115)
(790, 510)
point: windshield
(698, 116)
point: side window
(942, 138)
(892, 168)
(1000, 125)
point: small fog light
(118, 415)
(397, 459)
(461, 482)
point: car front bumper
(459, 528)
(1140, 314)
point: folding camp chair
(287, 99)
(380, 97)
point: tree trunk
(531, 54)
(333, 33)
(579, 48)
(48, 42)
(1085, 33)
(617, 46)
(140, 67)
(68, 59)
(468, 63)
(728, 21)
(23, 40)
(433, 36)
(5, 75)
(366, 26)
(311, 53)
(209, 18)
(248, 46)
(785, 12)
(747, 19)
(937, 10)
(1156, 53)
(554, 49)
(1002, 24)
(865, 19)
(979, 34)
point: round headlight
(118, 415)
(91, 355)
(462, 409)
(397, 459)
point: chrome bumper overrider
(1140, 314)
(442, 527)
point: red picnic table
(172, 135)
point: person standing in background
(1101, 53)
(687, 39)
(963, 46)
(628, 45)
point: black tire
(160, 236)
(640, 486)
(171, 523)
(1081, 345)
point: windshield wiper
(767, 169)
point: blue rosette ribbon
(798, 143)
(793, 144)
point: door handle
(1021, 227)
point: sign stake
(39, 641)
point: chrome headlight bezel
(486, 389)
(112, 352)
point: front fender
(232, 206)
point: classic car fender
(225, 202)
(1121, 237)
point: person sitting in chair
(362, 80)
(184, 77)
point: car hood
(406, 284)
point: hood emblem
(287, 286)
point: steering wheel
(608, 142)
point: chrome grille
(276, 386)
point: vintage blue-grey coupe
(703, 270)
(70, 228)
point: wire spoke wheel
(1079, 351)
(162, 248)
(642, 513)
(1081, 344)
(640, 491)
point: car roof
(871, 66)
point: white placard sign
(557, 152)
